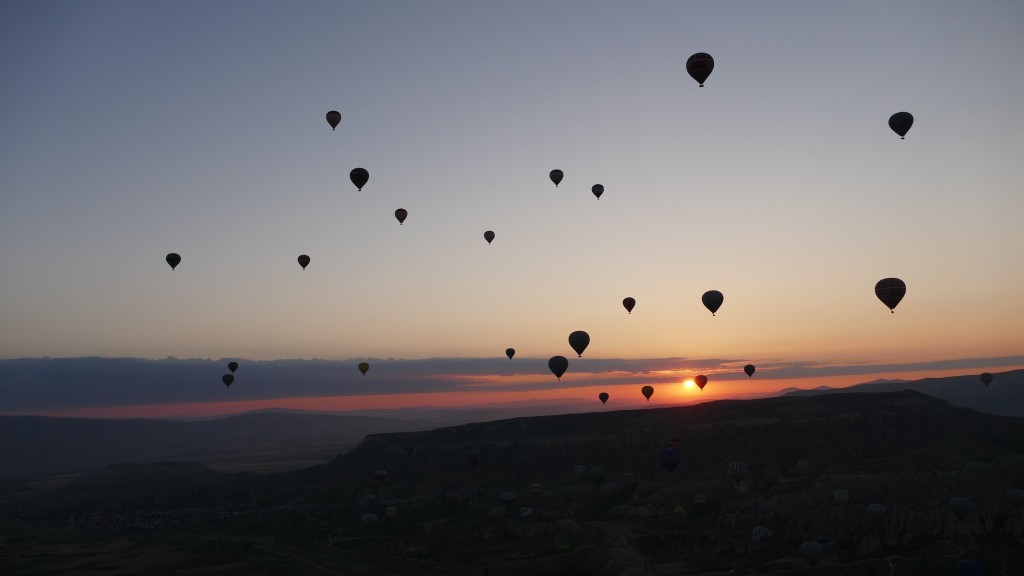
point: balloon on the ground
(812, 552)
(558, 365)
(334, 118)
(359, 177)
(961, 507)
(890, 291)
(876, 512)
(579, 340)
(1016, 497)
(381, 476)
(669, 458)
(699, 67)
(473, 458)
(969, 568)
(761, 535)
(900, 123)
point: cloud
(33, 385)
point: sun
(689, 384)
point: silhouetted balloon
(556, 177)
(558, 365)
(364, 367)
(812, 552)
(369, 519)
(1016, 497)
(647, 391)
(961, 507)
(536, 488)
(489, 236)
(841, 496)
(401, 214)
(603, 397)
(679, 512)
(901, 122)
(359, 177)
(969, 568)
(597, 189)
(890, 291)
(749, 370)
(391, 512)
(579, 469)
(381, 476)
(508, 497)
(699, 66)
(986, 378)
(303, 261)
(761, 535)
(876, 512)
(712, 300)
(173, 260)
(669, 458)
(628, 304)
(232, 366)
(334, 118)
(579, 340)
(510, 352)
(737, 470)
(701, 381)
(227, 379)
(473, 458)
(596, 476)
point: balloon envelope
(173, 260)
(334, 118)
(670, 458)
(489, 236)
(876, 512)
(1016, 497)
(712, 300)
(961, 507)
(364, 367)
(359, 177)
(227, 379)
(699, 67)
(969, 568)
(558, 365)
(761, 534)
(597, 189)
(556, 177)
(749, 369)
(232, 366)
(647, 391)
(473, 458)
(901, 122)
(986, 378)
(303, 261)
(811, 551)
(701, 381)
(603, 397)
(401, 214)
(628, 304)
(510, 352)
(380, 476)
(579, 340)
(890, 291)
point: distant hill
(265, 441)
(1004, 397)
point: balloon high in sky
(782, 184)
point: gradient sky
(132, 129)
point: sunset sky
(130, 129)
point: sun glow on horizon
(687, 384)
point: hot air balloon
(961, 507)
(712, 300)
(369, 519)
(334, 118)
(761, 535)
(749, 369)
(679, 513)
(380, 476)
(510, 352)
(890, 291)
(558, 365)
(536, 488)
(597, 189)
(508, 497)
(489, 236)
(876, 512)
(401, 214)
(232, 366)
(628, 304)
(556, 177)
(303, 261)
(596, 476)
(841, 496)
(473, 458)
(647, 391)
(227, 379)
(699, 66)
(737, 470)
(359, 177)
(603, 397)
(173, 260)
(579, 469)
(669, 458)
(364, 367)
(1016, 497)
(579, 340)
(812, 552)
(701, 381)
(391, 512)
(969, 568)
(986, 378)
(900, 123)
